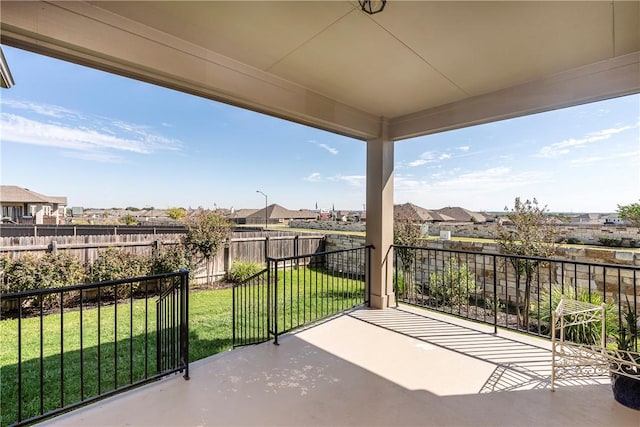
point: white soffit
(421, 67)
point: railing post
(233, 315)
(495, 296)
(275, 304)
(269, 326)
(396, 290)
(184, 321)
(368, 281)
(158, 337)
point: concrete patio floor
(390, 367)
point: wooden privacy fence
(249, 247)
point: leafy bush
(583, 333)
(611, 242)
(400, 286)
(114, 264)
(59, 269)
(20, 274)
(241, 271)
(170, 259)
(53, 270)
(453, 285)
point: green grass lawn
(303, 295)
(210, 333)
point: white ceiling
(419, 66)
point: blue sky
(107, 141)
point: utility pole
(266, 215)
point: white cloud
(564, 147)
(330, 149)
(81, 132)
(464, 148)
(490, 180)
(353, 180)
(418, 162)
(42, 109)
(426, 157)
(594, 159)
(314, 177)
(444, 156)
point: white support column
(380, 218)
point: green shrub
(59, 269)
(170, 259)
(610, 242)
(454, 285)
(114, 264)
(583, 333)
(400, 286)
(53, 270)
(242, 270)
(20, 274)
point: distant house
(275, 214)
(589, 219)
(461, 214)
(22, 205)
(417, 214)
(240, 216)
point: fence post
(53, 247)
(266, 248)
(226, 254)
(296, 249)
(155, 247)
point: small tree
(533, 234)
(630, 213)
(178, 214)
(206, 233)
(129, 220)
(406, 234)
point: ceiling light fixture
(372, 6)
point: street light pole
(266, 215)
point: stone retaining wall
(585, 234)
(570, 273)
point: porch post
(380, 217)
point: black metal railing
(293, 292)
(510, 291)
(251, 310)
(65, 347)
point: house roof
(275, 211)
(415, 213)
(243, 213)
(462, 214)
(411, 212)
(15, 194)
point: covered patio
(403, 366)
(417, 68)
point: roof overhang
(414, 69)
(6, 79)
